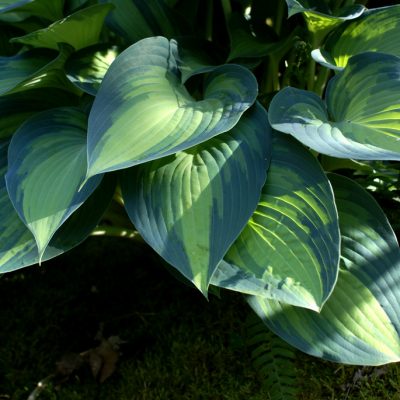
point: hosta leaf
(81, 29)
(14, 11)
(17, 245)
(376, 30)
(33, 69)
(16, 108)
(191, 206)
(322, 57)
(47, 162)
(359, 323)
(87, 67)
(319, 17)
(289, 250)
(361, 117)
(143, 112)
(138, 19)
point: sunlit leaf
(319, 17)
(143, 112)
(289, 250)
(81, 29)
(191, 206)
(361, 116)
(376, 30)
(360, 322)
(87, 67)
(46, 165)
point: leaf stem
(315, 42)
(321, 81)
(226, 6)
(279, 17)
(209, 20)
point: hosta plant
(226, 134)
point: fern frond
(274, 359)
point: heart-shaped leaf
(87, 67)
(47, 162)
(191, 206)
(143, 112)
(289, 250)
(81, 29)
(360, 322)
(376, 30)
(17, 245)
(361, 118)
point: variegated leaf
(376, 30)
(289, 250)
(46, 165)
(87, 67)
(360, 323)
(18, 248)
(361, 116)
(191, 206)
(143, 112)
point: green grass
(178, 345)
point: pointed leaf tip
(290, 248)
(359, 324)
(190, 207)
(47, 162)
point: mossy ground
(178, 345)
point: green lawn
(177, 345)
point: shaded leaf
(245, 44)
(289, 250)
(197, 56)
(191, 206)
(138, 19)
(14, 11)
(34, 69)
(18, 107)
(361, 116)
(359, 323)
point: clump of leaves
(153, 106)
